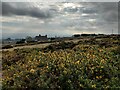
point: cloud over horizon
(58, 19)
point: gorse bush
(82, 66)
(62, 45)
(7, 47)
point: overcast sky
(21, 19)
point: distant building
(88, 34)
(76, 35)
(8, 41)
(41, 38)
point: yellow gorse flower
(94, 86)
(32, 70)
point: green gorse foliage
(83, 66)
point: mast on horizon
(112, 31)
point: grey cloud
(107, 10)
(8, 9)
(89, 11)
(69, 9)
(105, 15)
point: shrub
(83, 66)
(7, 47)
(61, 45)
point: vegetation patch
(63, 66)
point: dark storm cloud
(8, 9)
